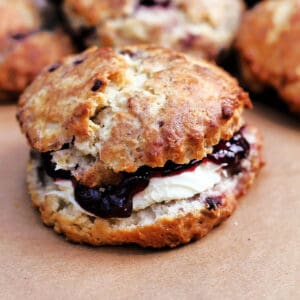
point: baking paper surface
(255, 254)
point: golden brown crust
(165, 231)
(153, 105)
(202, 28)
(268, 43)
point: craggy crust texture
(165, 230)
(202, 28)
(269, 43)
(153, 105)
(25, 48)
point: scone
(268, 44)
(26, 45)
(137, 145)
(203, 28)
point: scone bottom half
(158, 171)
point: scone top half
(104, 112)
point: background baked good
(268, 43)
(28, 42)
(203, 28)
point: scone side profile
(152, 150)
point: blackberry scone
(268, 43)
(27, 44)
(137, 145)
(203, 28)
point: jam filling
(50, 167)
(115, 201)
(230, 153)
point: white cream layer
(181, 186)
(65, 190)
(160, 189)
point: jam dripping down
(230, 153)
(110, 201)
(115, 201)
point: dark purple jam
(115, 201)
(111, 201)
(230, 153)
(50, 166)
(162, 3)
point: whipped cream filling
(181, 186)
(160, 189)
(65, 190)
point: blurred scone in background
(27, 43)
(203, 28)
(268, 43)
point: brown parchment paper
(255, 254)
